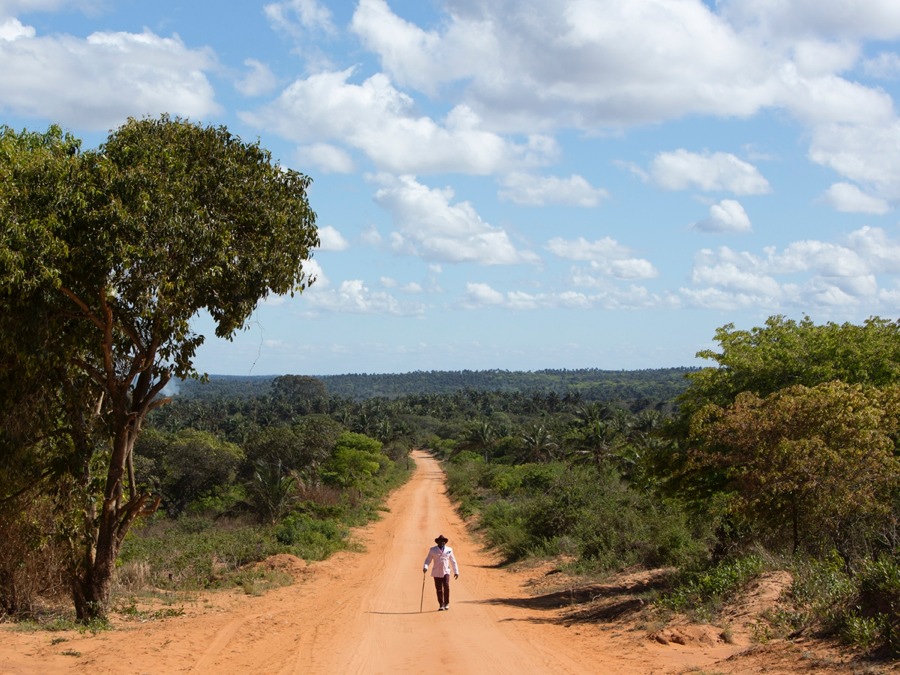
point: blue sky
(519, 184)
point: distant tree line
(591, 384)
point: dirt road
(359, 613)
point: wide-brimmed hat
(440, 538)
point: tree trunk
(92, 580)
(91, 589)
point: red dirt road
(359, 613)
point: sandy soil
(360, 613)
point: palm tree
(271, 490)
(597, 443)
(539, 444)
(482, 436)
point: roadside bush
(506, 527)
(554, 508)
(703, 591)
(874, 620)
(194, 553)
(32, 559)
(309, 538)
(464, 475)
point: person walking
(444, 560)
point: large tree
(785, 352)
(788, 406)
(106, 257)
(815, 466)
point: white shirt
(443, 559)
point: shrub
(309, 538)
(876, 620)
(32, 557)
(704, 590)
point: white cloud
(354, 297)
(526, 65)
(412, 287)
(726, 216)
(866, 154)
(836, 19)
(258, 80)
(831, 99)
(296, 16)
(718, 171)
(13, 29)
(816, 57)
(606, 257)
(885, 66)
(849, 198)
(382, 122)
(532, 190)
(332, 240)
(371, 236)
(326, 157)
(482, 295)
(529, 63)
(805, 275)
(880, 251)
(604, 296)
(430, 226)
(98, 82)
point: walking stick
(422, 599)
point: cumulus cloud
(850, 199)
(258, 79)
(726, 216)
(532, 190)
(526, 65)
(429, 225)
(382, 122)
(717, 171)
(326, 157)
(572, 63)
(606, 257)
(484, 296)
(297, 16)
(412, 287)
(885, 66)
(805, 274)
(97, 82)
(354, 297)
(867, 155)
(13, 29)
(332, 240)
(836, 19)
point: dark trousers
(442, 586)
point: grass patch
(702, 593)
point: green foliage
(703, 591)
(316, 539)
(196, 553)
(814, 466)
(876, 621)
(106, 257)
(196, 464)
(784, 353)
(271, 491)
(553, 508)
(355, 461)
